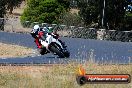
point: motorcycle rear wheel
(67, 54)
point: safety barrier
(14, 25)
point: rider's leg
(38, 43)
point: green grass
(57, 76)
(129, 14)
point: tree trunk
(2, 12)
(10, 10)
(2, 24)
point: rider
(37, 34)
(40, 33)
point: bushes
(71, 19)
(46, 11)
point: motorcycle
(54, 45)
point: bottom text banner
(103, 78)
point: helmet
(50, 29)
(36, 27)
(45, 29)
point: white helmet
(36, 27)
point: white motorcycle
(55, 46)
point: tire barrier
(70, 31)
(90, 33)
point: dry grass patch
(57, 76)
(74, 11)
(8, 50)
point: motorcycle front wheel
(55, 48)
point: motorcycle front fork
(63, 43)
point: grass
(58, 76)
(8, 50)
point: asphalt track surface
(80, 49)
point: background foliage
(10, 4)
(71, 19)
(116, 16)
(115, 13)
(44, 11)
(7, 5)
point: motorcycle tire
(42, 51)
(55, 48)
(67, 54)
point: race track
(80, 49)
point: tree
(65, 3)
(128, 20)
(6, 4)
(44, 11)
(2, 8)
(115, 13)
(91, 11)
(2, 12)
(71, 19)
(12, 3)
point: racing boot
(43, 50)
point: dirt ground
(8, 50)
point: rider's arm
(42, 35)
(33, 35)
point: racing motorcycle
(54, 45)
